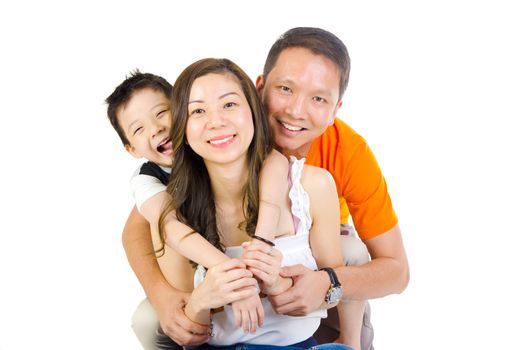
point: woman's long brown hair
(189, 186)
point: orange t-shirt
(360, 184)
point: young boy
(139, 111)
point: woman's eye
(162, 114)
(197, 111)
(229, 105)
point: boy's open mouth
(165, 146)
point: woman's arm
(223, 284)
(325, 238)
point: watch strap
(333, 276)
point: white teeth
(217, 142)
(291, 127)
(164, 141)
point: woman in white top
(220, 139)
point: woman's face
(220, 124)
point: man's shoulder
(341, 135)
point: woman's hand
(264, 262)
(223, 284)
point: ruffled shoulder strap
(300, 201)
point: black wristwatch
(335, 292)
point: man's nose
(296, 107)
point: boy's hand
(264, 262)
(249, 313)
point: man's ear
(132, 151)
(339, 104)
(260, 84)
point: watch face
(334, 295)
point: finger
(240, 284)
(288, 308)
(264, 248)
(283, 299)
(192, 340)
(192, 327)
(234, 275)
(265, 277)
(260, 264)
(294, 270)
(246, 321)
(260, 315)
(238, 317)
(253, 317)
(230, 264)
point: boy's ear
(132, 151)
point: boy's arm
(325, 243)
(273, 189)
(179, 236)
(166, 300)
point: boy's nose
(157, 128)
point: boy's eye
(138, 130)
(161, 114)
(319, 99)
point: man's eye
(284, 88)
(318, 99)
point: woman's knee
(355, 252)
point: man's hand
(175, 323)
(307, 293)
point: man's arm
(166, 300)
(387, 273)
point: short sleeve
(146, 183)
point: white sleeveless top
(277, 329)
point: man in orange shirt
(305, 76)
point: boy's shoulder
(154, 170)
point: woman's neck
(228, 182)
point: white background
(439, 90)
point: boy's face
(301, 95)
(145, 120)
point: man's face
(301, 96)
(145, 119)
